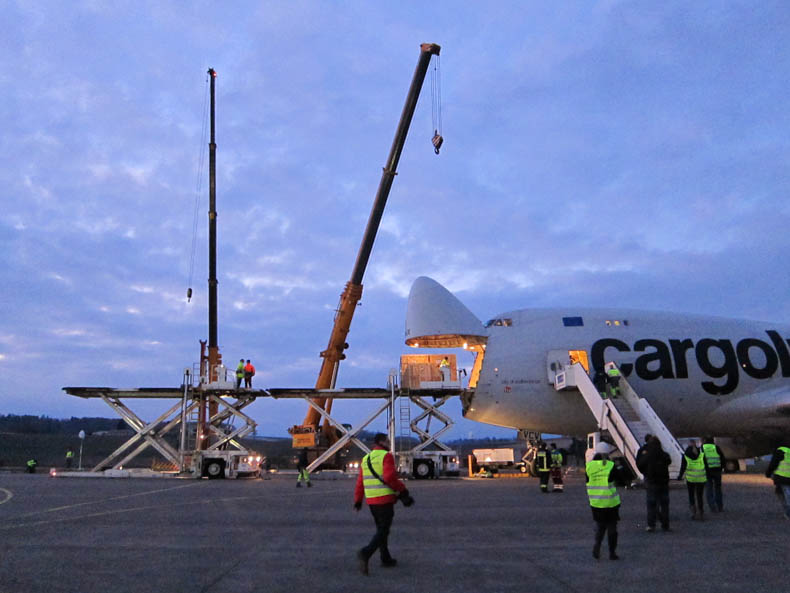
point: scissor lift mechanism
(230, 403)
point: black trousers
(544, 480)
(382, 516)
(696, 489)
(657, 504)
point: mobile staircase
(627, 418)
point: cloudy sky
(596, 153)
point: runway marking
(79, 504)
(120, 511)
(8, 495)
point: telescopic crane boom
(353, 290)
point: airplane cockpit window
(572, 321)
(503, 322)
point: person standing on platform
(249, 373)
(693, 465)
(379, 485)
(239, 373)
(543, 466)
(444, 369)
(602, 475)
(556, 469)
(780, 468)
(714, 464)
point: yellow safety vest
(695, 469)
(613, 372)
(240, 370)
(69, 454)
(556, 459)
(714, 461)
(373, 486)
(542, 461)
(784, 465)
(600, 489)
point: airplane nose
(435, 318)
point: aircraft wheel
(215, 470)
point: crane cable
(436, 104)
(198, 189)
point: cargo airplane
(702, 375)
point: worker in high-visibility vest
(780, 468)
(693, 465)
(379, 485)
(602, 475)
(69, 457)
(613, 381)
(543, 466)
(444, 369)
(31, 466)
(556, 468)
(239, 373)
(249, 373)
(714, 465)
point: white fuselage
(702, 375)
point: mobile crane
(307, 434)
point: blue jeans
(713, 491)
(783, 490)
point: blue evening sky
(607, 153)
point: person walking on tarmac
(239, 373)
(556, 469)
(379, 485)
(693, 465)
(780, 468)
(31, 466)
(543, 466)
(69, 457)
(714, 463)
(301, 467)
(602, 475)
(249, 373)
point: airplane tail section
(627, 417)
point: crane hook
(437, 141)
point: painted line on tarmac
(114, 498)
(122, 511)
(8, 495)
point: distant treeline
(47, 425)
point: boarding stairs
(627, 418)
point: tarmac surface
(172, 535)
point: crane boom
(352, 293)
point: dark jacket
(654, 464)
(775, 460)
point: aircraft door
(557, 361)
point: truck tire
(423, 469)
(215, 469)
